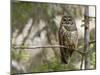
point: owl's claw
(71, 47)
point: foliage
(55, 66)
(23, 56)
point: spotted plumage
(68, 37)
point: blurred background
(37, 24)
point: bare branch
(52, 46)
(34, 47)
(47, 46)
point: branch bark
(50, 46)
(47, 46)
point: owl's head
(68, 22)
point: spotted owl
(68, 36)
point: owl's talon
(71, 46)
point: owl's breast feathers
(70, 40)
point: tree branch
(51, 46)
(34, 47)
(47, 46)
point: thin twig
(51, 46)
(35, 47)
(47, 46)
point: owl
(68, 36)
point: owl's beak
(64, 25)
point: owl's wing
(74, 38)
(62, 50)
(70, 41)
(60, 35)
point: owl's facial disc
(67, 21)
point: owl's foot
(71, 47)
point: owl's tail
(66, 55)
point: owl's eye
(65, 19)
(69, 19)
